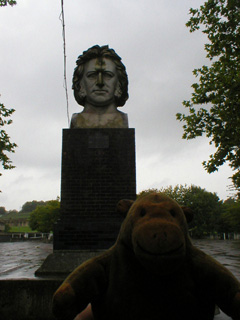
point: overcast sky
(159, 53)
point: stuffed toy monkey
(153, 272)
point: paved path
(22, 259)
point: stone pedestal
(98, 170)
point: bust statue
(100, 85)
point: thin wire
(61, 17)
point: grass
(21, 229)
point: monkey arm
(226, 286)
(84, 284)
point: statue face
(99, 82)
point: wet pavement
(227, 252)
(22, 259)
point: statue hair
(100, 52)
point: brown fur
(152, 272)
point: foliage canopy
(5, 144)
(218, 85)
(43, 217)
(2, 211)
(4, 3)
(29, 206)
(230, 218)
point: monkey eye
(143, 212)
(173, 213)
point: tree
(207, 208)
(43, 217)
(230, 218)
(5, 144)
(29, 206)
(4, 3)
(2, 211)
(14, 211)
(219, 85)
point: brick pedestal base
(98, 170)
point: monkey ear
(123, 207)
(189, 214)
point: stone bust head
(100, 85)
(97, 52)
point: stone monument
(98, 170)
(98, 162)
